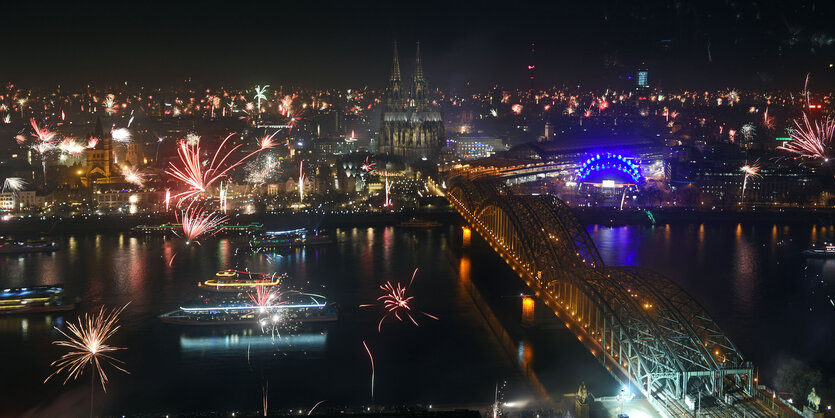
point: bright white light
(609, 184)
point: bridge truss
(640, 325)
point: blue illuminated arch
(608, 162)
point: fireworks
(811, 140)
(133, 176)
(517, 108)
(768, 121)
(87, 341)
(267, 141)
(92, 142)
(110, 104)
(371, 358)
(121, 135)
(387, 202)
(71, 146)
(367, 166)
(396, 303)
(197, 223)
(192, 172)
(301, 181)
(263, 297)
(14, 184)
(751, 171)
(260, 170)
(259, 95)
(192, 139)
(167, 199)
(42, 135)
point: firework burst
(122, 135)
(92, 142)
(367, 166)
(133, 176)
(751, 171)
(87, 341)
(397, 303)
(811, 140)
(198, 224)
(14, 184)
(198, 178)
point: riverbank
(609, 216)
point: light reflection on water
(451, 360)
(752, 278)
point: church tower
(410, 128)
(100, 168)
(394, 91)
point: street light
(624, 396)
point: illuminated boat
(828, 250)
(234, 281)
(288, 308)
(34, 299)
(419, 223)
(31, 246)
(170, 228)
(291, 238)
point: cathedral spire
(419, 85)
(418, 64)
(395, 66)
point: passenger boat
(169, 228)
(419, 223)
(234, 281)
(30, 246)
(34, 299)
(828, 250)
(290, 238)
(290, 307)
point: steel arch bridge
(640, 325)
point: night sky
(685, 44)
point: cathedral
(409, 128)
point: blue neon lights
(609, 161)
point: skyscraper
(409, 127)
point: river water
(773, 302)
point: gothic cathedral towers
(409, 128)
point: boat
(828, 250)
(290, 307)
(291, 238)
(29, 246)
(234, 281)
(35, 299)
(170, 228)
(419, 223)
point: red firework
(197, 178)
(396, 303)
(197, 223)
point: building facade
(409, 128)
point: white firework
(14, 184)
(122, 135)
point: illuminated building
(100, 168)
(608, 173)
(642, 78)
(408, 127)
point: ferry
(31, 246)
(234, 281)
(418, 223)
(828, 250)
(291, 307)
(291, 238)
(34, 299)
(170, 228)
